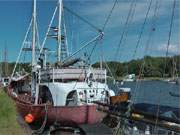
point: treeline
(146, 67)
(6, 68)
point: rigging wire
(142, 29)
(167, 51)
(89, 42)
(170, 31)
(105, 24)
(109, 16)
(47, 32)
(150, 36)
(99, 30)
(125, 31)
(81, 18)
(23, 43)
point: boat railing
(71, 74)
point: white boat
(61, 93)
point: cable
(108, 17)
(23, 43)
(171, 25)
(169, 38)
(125, 31)
(81, 18)
(142, 29)
(49, 27)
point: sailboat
(174, 79)
(61, 93)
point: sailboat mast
(59, 32)
(34, 34)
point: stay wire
(124, 29)
(169, 38)
(81, 18)
(109, 16)
(142, 29)
(150, 36)
(128, 27)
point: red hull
(65, 115)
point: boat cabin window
(71, 98)
(45, 95)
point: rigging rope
(41, 129)
(171, 25)
(81, 18)
(142, 29)
(153, 26)
(89, 42)
(169, 38)
(124, 29)
(49, 27)
(110, 13)
(23, 43)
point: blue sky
(15, 16)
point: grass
(8, 116)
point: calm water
(154, 92)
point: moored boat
(62, 93)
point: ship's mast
(59, 32)
(34, 34)
(34, 89)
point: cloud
(98, 11)
(173, 48)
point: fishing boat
(59, 93)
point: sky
(15, 16)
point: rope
(171, 25)
(147, 46)
(81, 18)
(169, 38)
(91, 41)
(23, 43)
(49, 27)
(110, 13)
(125, 31)
(142, 29)
(41, 129)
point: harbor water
(153, 92)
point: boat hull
(65, 115)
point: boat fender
(29, 118)
(14, 94)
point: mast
(34, 86)
(5, 60)
(34, 34)
(59, 32)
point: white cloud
(173, 48)
(99, 12)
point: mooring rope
(41, 129)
